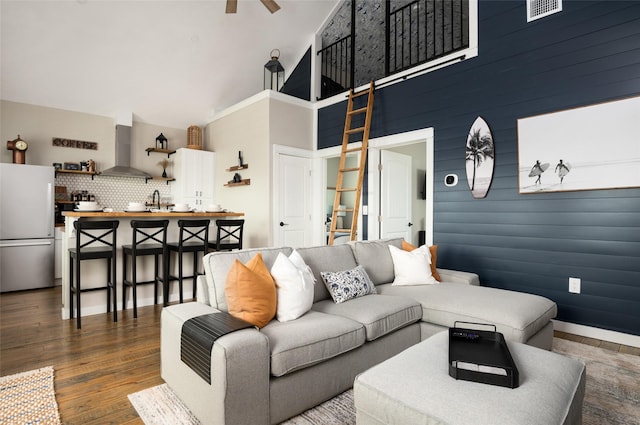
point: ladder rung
(355, 130)
(353, 150)
(343, 210)
(343, 230)
(361, 93)
(358, 111)
(346, 170)
(349, 189)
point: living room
(531, 243)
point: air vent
(537, 9)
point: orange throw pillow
(433, 250)
(251, 292)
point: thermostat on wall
(451, 180)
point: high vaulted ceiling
(172, 62)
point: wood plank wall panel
(588, 53)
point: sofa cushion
(251, 292)
(217, 264)
(517, 315)
(412, 267)
(348, 284)
(375, 257)
(327, 259)
(310, 339)
(294, 286)
(433, 250)
(380, 314)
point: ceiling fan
(232, 6)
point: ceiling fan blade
(271, 5)
(232, 6)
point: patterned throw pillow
(348, 284)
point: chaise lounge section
(267, 375)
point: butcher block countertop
(142, 214)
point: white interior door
(395, 195)
(293, 201)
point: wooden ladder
(363, 128)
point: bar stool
(149, 237)
(228, 236)
(94, 240)
(194, 236)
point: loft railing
(425, 30)
(337, 71)
(414, 34)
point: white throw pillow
(294, 286)
(412, 267)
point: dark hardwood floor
(98, 366)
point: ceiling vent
(537, 9)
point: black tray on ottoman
(481, 356)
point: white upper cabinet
(194, 173)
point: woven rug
(29, 398)
(612, 394)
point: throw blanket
(198, 336)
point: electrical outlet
(574, 285)
(365, 210)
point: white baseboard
(597, 333)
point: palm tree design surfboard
(479, 158)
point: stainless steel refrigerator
(26, 226)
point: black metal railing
(337, 71)
(414, 34)
(425, 30)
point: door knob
(282, 223)
(410, 224)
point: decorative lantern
(274, 72)
(162, 140)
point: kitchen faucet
(153, 199)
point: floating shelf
(87, 173)
(169, 152)
(244, 182)
(166, 179)
(238, 167)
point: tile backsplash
(114, 192)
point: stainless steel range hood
(123, 156)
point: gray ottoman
(414, 387)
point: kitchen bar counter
(93, 272)
(147, 214)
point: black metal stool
(194, 236)
(94, 240)
(149, 238)
(228, 236)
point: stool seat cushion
(414, 387)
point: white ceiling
(173, 63)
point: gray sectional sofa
(268, 375)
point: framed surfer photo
(586, 148)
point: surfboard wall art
(480, 155)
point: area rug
(612, 394)
(29, 398)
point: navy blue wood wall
(299, 82)
(588, 53)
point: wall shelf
(87, 173)
(244, 182)
(166, 179)
(169, 152)
(238, 167)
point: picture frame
(586, 148)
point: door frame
(425, 135)
(275, 178)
